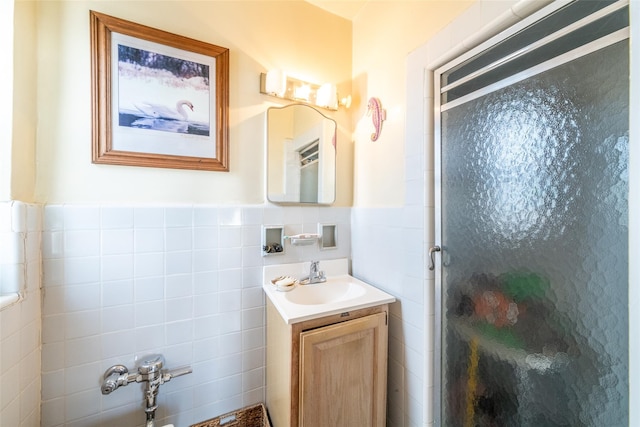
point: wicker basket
(251, 416)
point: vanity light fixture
(327, 95)
(302, 93)
(277, 83)
(345, 102)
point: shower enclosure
(531, 223)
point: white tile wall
(121, 282)
(387, 247)
(20, 323)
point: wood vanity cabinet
(330, 371)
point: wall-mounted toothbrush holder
(328, 236)
(272, 240)
(303, 239)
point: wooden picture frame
(158, 99)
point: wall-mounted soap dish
(303, 239)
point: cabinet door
(343, 371)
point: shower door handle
(432, 263)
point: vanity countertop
(340, 293)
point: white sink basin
(340, 293)
(335, 289)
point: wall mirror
(301, 155)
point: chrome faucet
(149, 371)
(315, 274)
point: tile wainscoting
(121, 282)
(20, 323)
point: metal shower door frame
(438, 108)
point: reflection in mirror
(301, 155)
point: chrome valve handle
(167, 375)
(114, 377)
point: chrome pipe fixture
(150, 371)
(114, 377)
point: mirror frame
(322, 118)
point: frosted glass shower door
(533, 230)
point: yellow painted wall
(23, 145)
(53, 50)
(384, 32)
(6, 88)
(293, 35)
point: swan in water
(177, 126)
(157, 111)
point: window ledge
(8, 300)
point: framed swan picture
(158, 99)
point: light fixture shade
(327, 96)
(276, 83)
(345, 102)
(302, 92)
